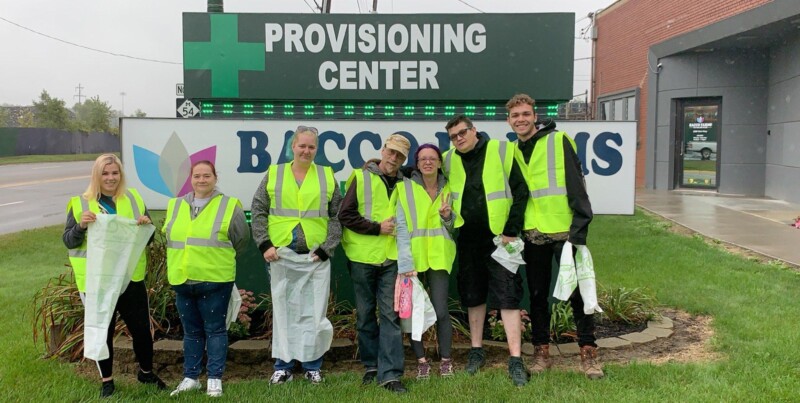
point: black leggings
(133, 308)
(439, 286)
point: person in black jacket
(487, 185)
(555, 214)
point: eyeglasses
(428, 159)
(461, 133)
(301, 129)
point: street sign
(186, 109)
(179, 90)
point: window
(619, 106)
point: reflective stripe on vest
(375, 205)
(129, 209)
(292, 205)
(547, 209)
(498, 201)
(199, 248)
(431, 243)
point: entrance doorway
(697, 143)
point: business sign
(157, 153)
(371, 57)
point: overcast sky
(151, 29)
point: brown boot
(541, 359)
(589, 364)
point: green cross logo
(225, 56)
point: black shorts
(481, 280)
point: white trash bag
(567, 276)
(509, 255)
(234, 305)
(300, 290)
(584, 266)
(423, 316)
(114, 244)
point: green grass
(27, 159)
(692, 165)
(754, 307)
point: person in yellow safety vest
(425, 243)
(107, 194)
(296, 207)
(490, 193)
(205, 232)
(558, 210)
(367, 215)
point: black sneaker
(369, 376)
(150, 378)
(476, 359)
(517, 371)
(107, 389)
(395, 386)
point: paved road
(36, 195)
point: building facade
(714, 86)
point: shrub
(497, 330)
(562, 322)
(631, 306)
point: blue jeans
(281, 365)
(380, 347)
(204, 310)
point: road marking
(11, 185)
(12, 203)
(46, 167)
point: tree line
(92, 115)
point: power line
(309, 6)
(471, 6)
(89, 48)
(358, 3)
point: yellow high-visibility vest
(129, 205)
(496, 171)
(200, 249)
(374, 204)
(432, 247)
(548, 208)
(306, 205)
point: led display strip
(355, 110)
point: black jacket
(473, 204)
(577, 197)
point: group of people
(393, 223)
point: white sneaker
(214, 387)
(280, 376)
(186, 385)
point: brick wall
(627, 29)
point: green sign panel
(415, 57)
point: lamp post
(123, 102)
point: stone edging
(257, 352)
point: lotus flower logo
(169, 173)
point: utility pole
(326, 7)
(123, 102)
(375, 6)
(215, 6)
(80, 95)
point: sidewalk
(758, 224)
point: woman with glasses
(295, 226)
(425, 232)
(107, 194)
(206, 230)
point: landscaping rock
(663, 323)
(640, 337)
(613, 343)
(566, 349)
(341, 349)
(168, 352)
(658, 332)
(249, 351)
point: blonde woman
(106, 194)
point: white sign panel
(158, 153)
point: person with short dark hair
(206, 230)
(426, 228)
(489, 192)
